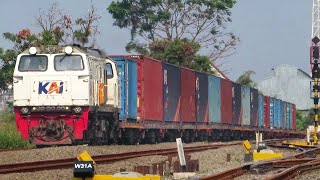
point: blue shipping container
(245, 101)
(272, 113)
(214, 99)
(284, 115)
(261, 111)
(202, 97)
(171, 93)
(127, 70)
(278, 113)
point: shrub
(9, 136)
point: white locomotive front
(65, 94)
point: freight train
(76, 95)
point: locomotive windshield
(68, 63)
(33, 63)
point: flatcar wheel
(158, 137)
(130, 136)
(192, 136)
(186, 136)
(151, 137)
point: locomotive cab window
(68, 63)
(33, 63)
(109, 71)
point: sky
(271, 32)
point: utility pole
(314, 64)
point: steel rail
(261, 167)
(296, 170)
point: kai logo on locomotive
(50, 87)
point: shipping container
(202, 105)
(289, 116)
(253, 107)
(294, 117)
(245, 101)
(266, 111)
(127, 70)
(214, 99)
(188, 87)
(261, 111)
(236, 104)
(272, 113)
(150, 93)
(171, 93)
(226, 101)
(277, 112)
(284, 115)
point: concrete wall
(289, 84)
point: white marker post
(181, 154)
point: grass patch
(9, 136)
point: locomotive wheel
(115, 137)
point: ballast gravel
(210, 161)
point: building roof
(287, 65)
(219, 72)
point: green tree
(180, 52)
(303, 121)
(157, 21)
(245, 79)
(21, 40)
(56, 28)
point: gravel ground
(314, 175)
(211, 161)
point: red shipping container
(226, 101)
(267, 111)
(188, 88)
(150, 93)
(294, 117)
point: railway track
(290, 167)
(109, 158)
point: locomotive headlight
(77, 110)
(33, 50)
(24, 110)
(68, 50)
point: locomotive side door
(113, 84)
